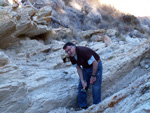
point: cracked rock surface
(37, 77)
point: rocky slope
(35, 79)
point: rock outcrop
(37, 77)
(23, 21)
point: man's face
(70, 50)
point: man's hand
(92, 79)
(84, 84)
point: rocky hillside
(35, 74)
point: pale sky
(135, 7)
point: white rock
(111, 32)
(3, 59)
(132, 40)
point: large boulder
(23, 21)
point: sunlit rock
(121, 102)
(23, 21)
(116, 90)
(107, 40)
(43, 16)
(26, 24)
(36, 75)
(94, 16)
(7, 26)
(87, 34)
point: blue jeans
(96, 86)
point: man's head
(70, 48)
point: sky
(136, 7)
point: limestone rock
(43, 16)
(137, 91)
(17, 22)
(13, 98)
(132, 40)
(84, 43)
(34, 78)
(132, 60)
(3, 59)
(7, 26)
(56, 45)
(36, 47)
(27, 26)
(107, 40)
(87, 34)
(123, 91)
(145, 64)
(43, 78)
(97, 46)
(97, 38)
(57, 34)
(111, 32)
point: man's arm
(95, 66)
(93, 77)
(80, 73)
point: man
(89, 68)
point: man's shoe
(81, 108)
(84, 107)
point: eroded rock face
(13, 97)
(125, 86)
(7, 26)
(49, 83)
(134, 99)
(35, 79)
(26, 21)
(32, 23)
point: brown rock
(97, 38)
(107, 40)
(87, 34)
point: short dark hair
(68, 44)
